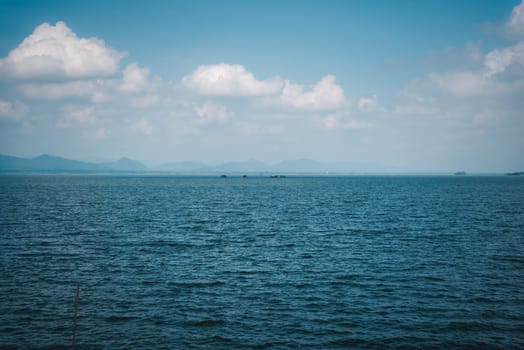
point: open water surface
(297, 262)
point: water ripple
(325, 262)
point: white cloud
(6, 108)
(230, 80)
(234, 80)
(484, 118)
(101, 134)
(489, 79)
(251, 128)
(210, 113)
(515, 23)
(497, 61)
(135, 84)
(368, 104)
(357, 124)
(144, 101)
(76, 115)
(135, 79)
(460, 83)
(92, 89)
(418, 109)
(141, 126)
(76, 68)
(340, 121)
(9, 110)
(325, 94)
(328, 122)
(57, 52)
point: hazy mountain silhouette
(184, 167)
(247, 166)
(48, 163)
(299, 166)
(125, 164)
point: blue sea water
(296, 262)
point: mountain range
(53, 164)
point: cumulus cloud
(502, 69)
(368, 104)
(57, 52)
(325, 94)
(91, 89)
(10, 110)
(144, 101)
(211, 113)
(328, 122)
(135, 86)
(357, 124)
(54, 64)
(498, 60)
(79, 78)
(416, 109)
(340, 121)
(490, 78)
(251, 128)
(230, 80)
(135, 79)
(141, 126)
(101, 134)
(460, 83)
(76, 115)
(515, 23)
(6, 108)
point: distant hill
(12, 163)
(313, 166)
(125, 164)
(247, 166)
(299, 166)
(184, 167)
(46, 163)
(49, 164)
(53, 164)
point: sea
(326, 262)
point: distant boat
(223, 176)
(277, 176)
(517, 173)
(244, 175)
(460, 173)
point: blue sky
(417, 85)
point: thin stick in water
(76, 313)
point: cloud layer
(81, 77)
(234, 80)
(57, 52)
(57, 83)
(502, 72)
(230, 80)
(12, 110)
(325, 94)
(515, 23)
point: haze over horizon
(419, 85)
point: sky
(414, 85)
